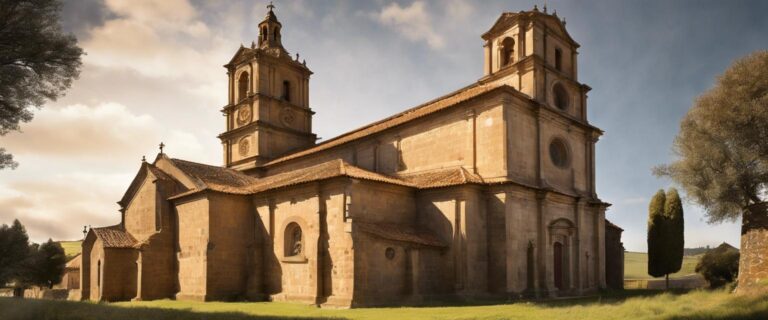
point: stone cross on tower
(162, 145)
(270, 6)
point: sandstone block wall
(193, 237)
(230, 246)
(753, 263)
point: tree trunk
(667, 281)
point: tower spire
(269, 29)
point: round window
(389, 253)
(558, 152)
(560, 96)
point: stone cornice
(256, 96)
(259, 124)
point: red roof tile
(114, 237)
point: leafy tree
(665, 234)
(38, 62)
(14, 250)
(675, 227)
(46, 264)
(657, 241)
(722, 146)
(720, 265)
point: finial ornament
(535, 8)
(85, 231)
(563, 20)
(162, 145)
(297, 56)
(143, 158)
(270, 6)
(545, 7)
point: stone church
(486, 192)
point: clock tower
(268, 112)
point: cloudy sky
(153, 72)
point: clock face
(287, 116)
(243, 115)
(243, 147)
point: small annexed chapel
(486, 192)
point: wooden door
(558, 256)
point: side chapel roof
(114, 237)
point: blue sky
(153, 73)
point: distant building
(71, 278)
(488, 191)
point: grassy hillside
(636, 266)
(71, 248)
(640, 304)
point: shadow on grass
(23, 309)
(607, 298)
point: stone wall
(193, 235)
(229, 246)
(753, 264)
(614, 258)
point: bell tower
(268, 114)
(533, 52)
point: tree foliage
(722, 146)
(45, 264)
(675, 228)
(656, 236)
(26, 264)
(14, 249)
(665, 234)
(719, 266)
(38, 62)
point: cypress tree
(673, 209)
(657, 260)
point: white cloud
(412, 22)
(105, 130)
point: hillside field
(71, 248)
(636, 266)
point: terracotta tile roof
(326, 170)
(398, 232)
(430, 107)
(75, 262)
(214, 177)
(442, 178)
(114, 237)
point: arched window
(558, 59)
(98, 273)
(560, 96)
(242, 86)
(294, 244)
(558, 153)
(507, 51)
(286, 90)
(276, 34)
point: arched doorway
(558, 256)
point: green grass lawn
(636, 266)
(71, 248)
(635, 304)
